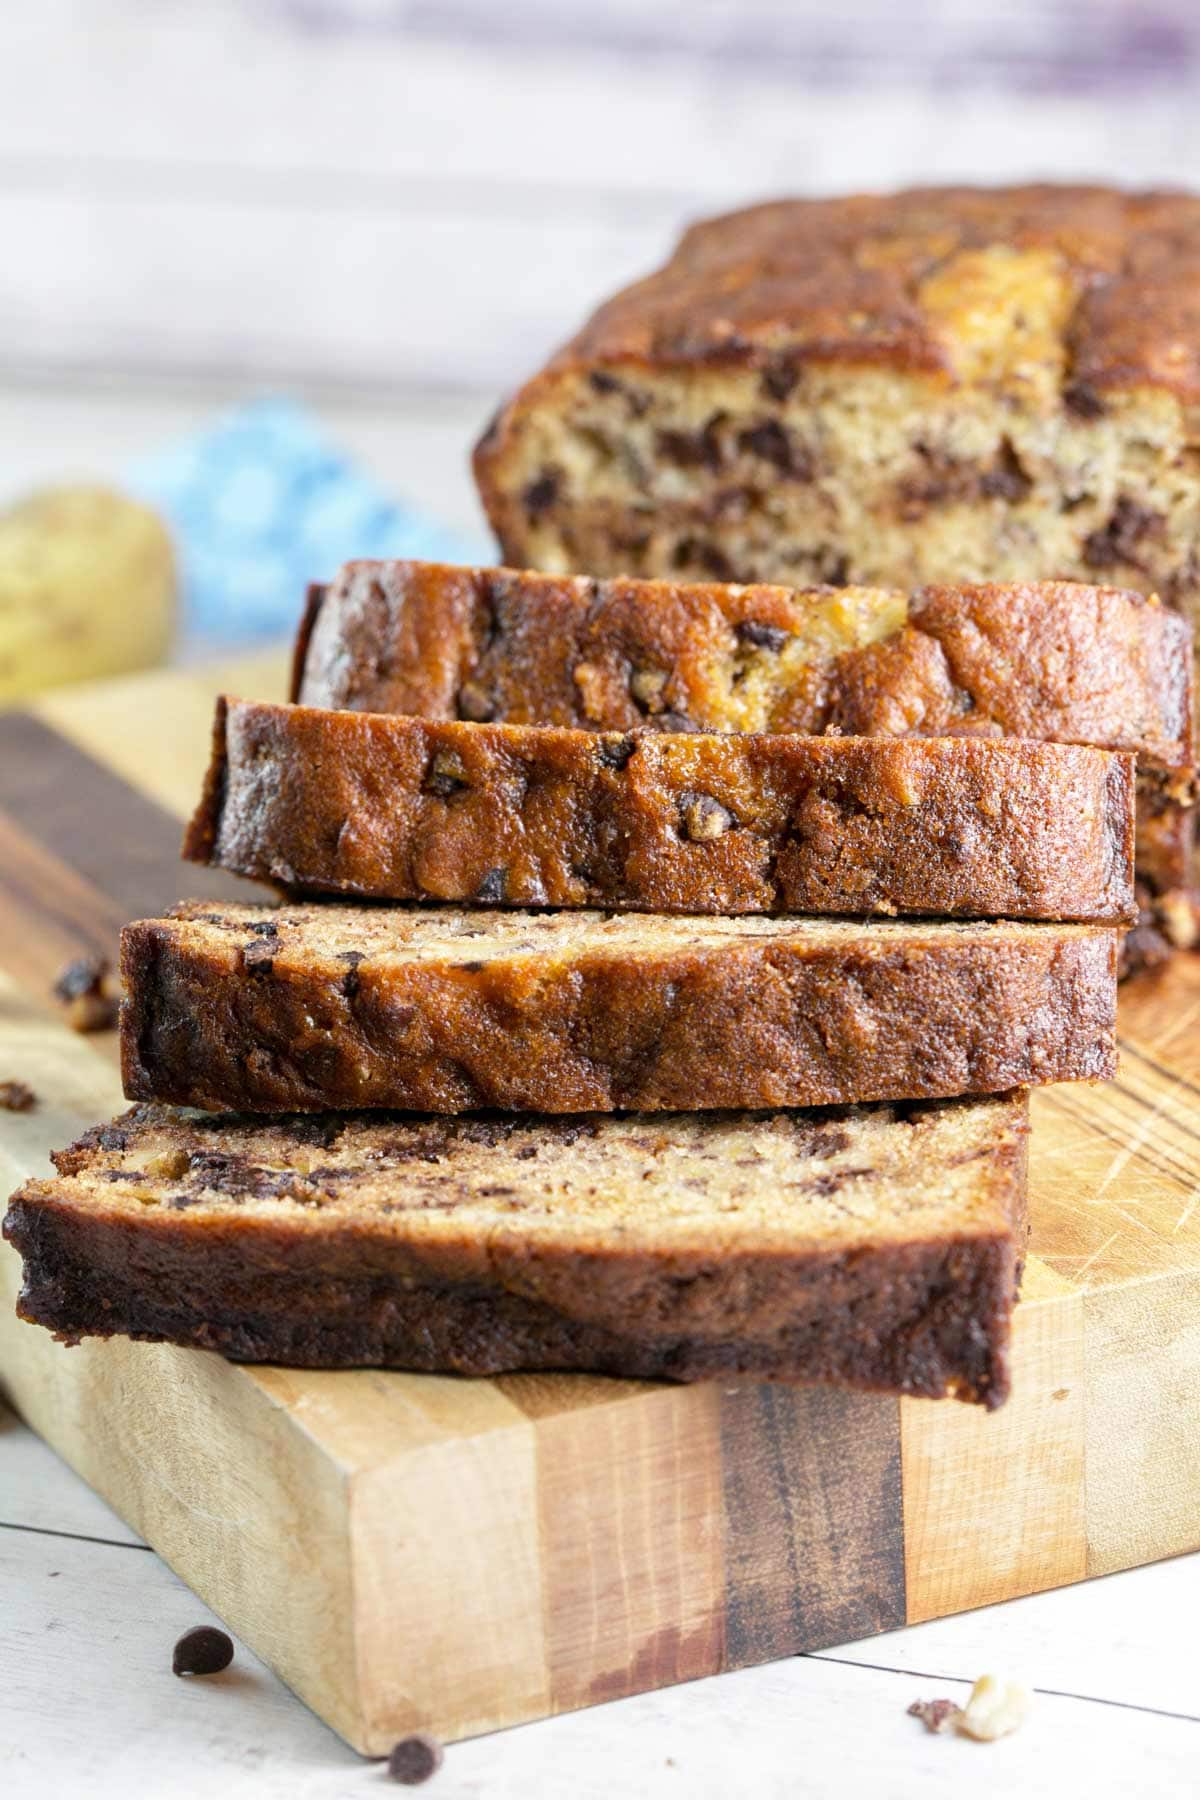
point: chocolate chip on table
(84, 989)
(414, 1759)
(704, 819)
(16, 1097)
(202, 1651)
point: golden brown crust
(314, 601)
(308, 1007)
(1050, 660)
(406, 809)
(1055, 661)
(341, 1247)
(838, 280)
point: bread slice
(940, 385)
(1052, 660)
(437, 1010)
(404, 809)
(876, 1248)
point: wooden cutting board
(459, 1555)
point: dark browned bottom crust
(927, 1320)
(394, 808)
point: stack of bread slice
(657, 980)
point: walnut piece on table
(996, 1706)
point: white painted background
(395, 208)
(382, 204)
(435, 192)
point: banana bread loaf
(873, 1248)
(941, 385)
(394, 808)
(436, 1010)
(1055, 661)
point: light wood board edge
(1142, 1349)
(995, 1503)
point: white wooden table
(88, 1703)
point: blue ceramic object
(260, 505)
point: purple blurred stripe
(1041, 46)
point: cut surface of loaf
(383, 807)
(1058, 661)
(939, 385)
(438, 1010)
(877, 1248)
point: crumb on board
(16, 1096)
(89, 999)
(936, 1715)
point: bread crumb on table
(936, 1715)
